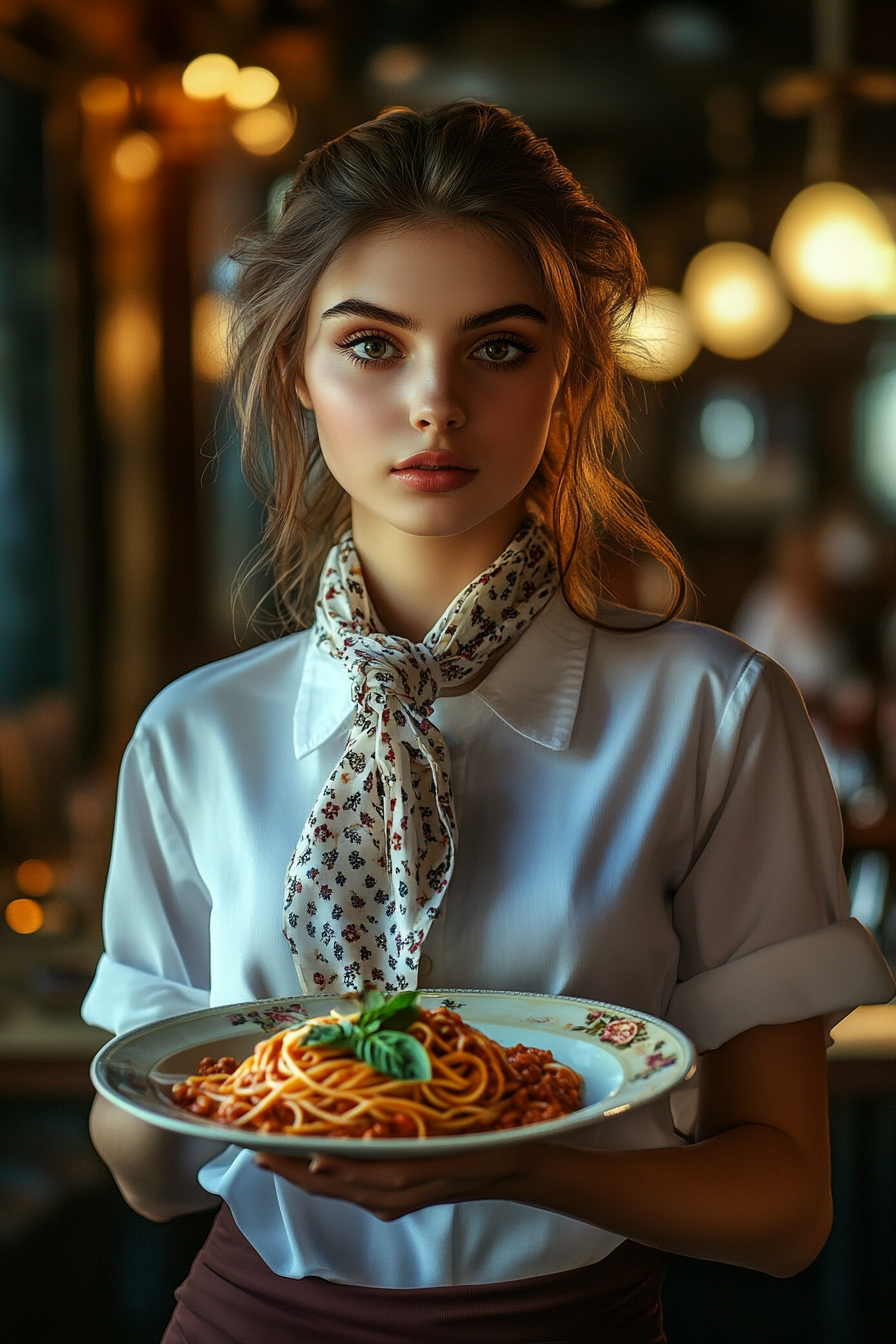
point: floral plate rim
(126, 1070)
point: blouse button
(425, 965)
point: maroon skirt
(231, 1296)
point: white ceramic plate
(625, 1058)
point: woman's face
(432, 374)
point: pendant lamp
(735, 300)
(659, 342)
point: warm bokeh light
(267, 130)
(209, 76)
(736, 300)
(211, 323)
(401, 63)
(107, 96)
(253, 87)
(836, 253)
(660, 341)
(24, 915)
(137, 157)
(35, 877)
(885, 290)
(128, 349)
(886, 204)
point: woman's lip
(434, 473)
(435, 461)
(435, 481)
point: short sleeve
(762, 912)
(157, 908)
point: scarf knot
(384, 667)
(376, 855)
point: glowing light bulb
(659, 342)
(24, 915)
(253, 87)
(267, 130)
(885, 291)
(209, 76)
(137, 157)
(128, 350)
(34, 877)
(736, 300)
(835, 250)
(106, 96)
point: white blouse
(644, 818)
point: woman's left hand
(754, 1190)
(390, 1189)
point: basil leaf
(371, 1001)
(331, 1033)
(407, 999)
(404, 1009)
(399, 1011)
(367, 1026)
(397, 1054)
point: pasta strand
(288, 1087)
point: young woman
(556, 795)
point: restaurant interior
(749, 146)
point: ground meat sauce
(535, 1089)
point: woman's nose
(435, 406)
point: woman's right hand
(155, 1170)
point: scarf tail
(376, 855)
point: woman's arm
(154, 1169)
(754, 1190)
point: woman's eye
(502, 351)
(370, 349)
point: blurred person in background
(816, 612)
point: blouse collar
(534, 689)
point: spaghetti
(287, 1087)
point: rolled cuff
(826, 972)
(122, 997)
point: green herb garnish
(380, 1036)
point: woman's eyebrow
(361, 308)
(497, 315)
(374, 313)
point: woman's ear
(282, 352)
(304, 394)
(560, 406)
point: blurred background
(749, 145)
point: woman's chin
(447, 514)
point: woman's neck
(411, 579)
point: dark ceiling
(655, 104)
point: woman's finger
(405, 1184)
(384, 1201)
(336, 1174)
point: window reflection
(877, 428)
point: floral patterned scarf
(376, 855)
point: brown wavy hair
(478, 165)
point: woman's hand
(753, 1191)
(389, 1190)
(155, 1170)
